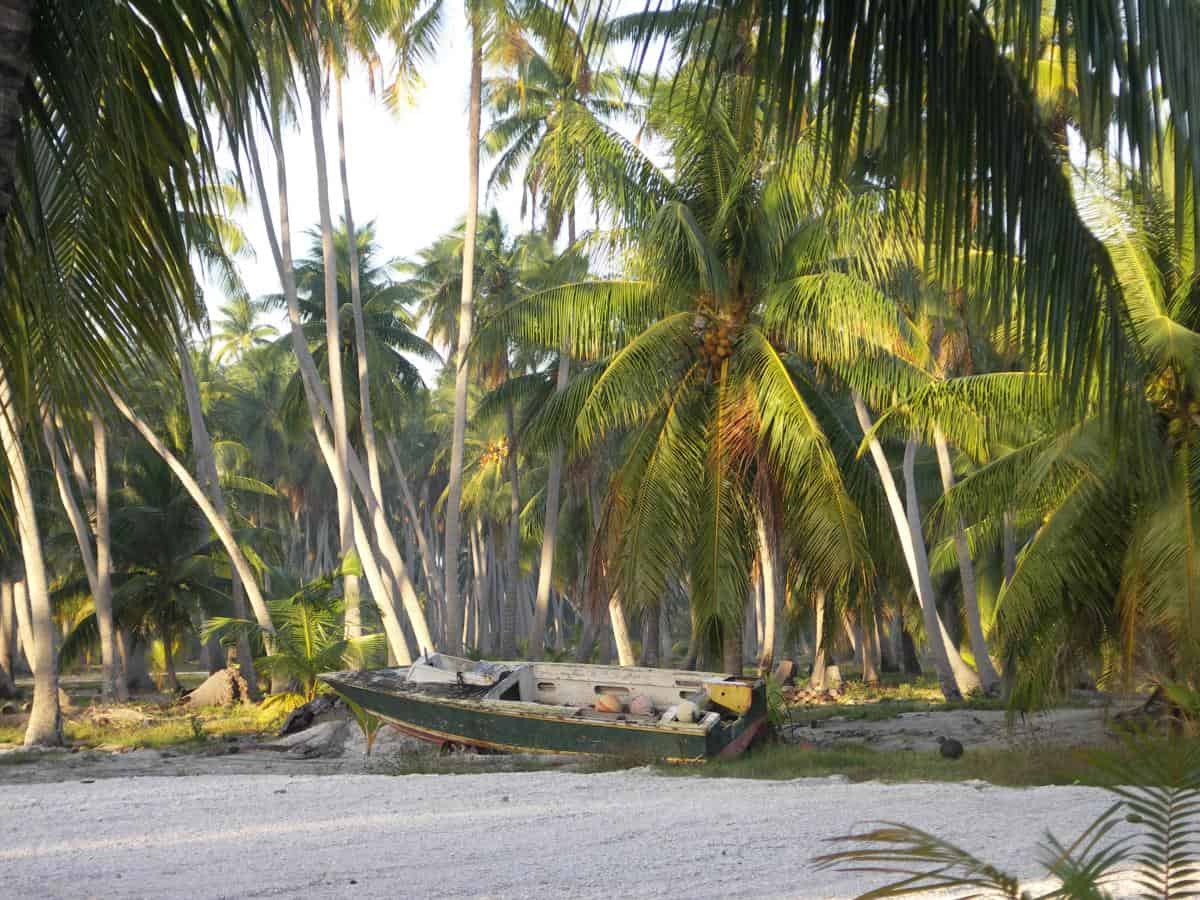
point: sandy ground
(540, 834)
(1067, 727)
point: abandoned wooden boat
(563, 707)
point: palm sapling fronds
(1157, 787)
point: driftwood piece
(302, 717)
(223, 688)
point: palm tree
(240, 329)
(551, 118)
(700, 358)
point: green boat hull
(523, 727)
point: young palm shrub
(309, 638)
(1158, 792)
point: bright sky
(408, 172)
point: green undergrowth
(1020, 767)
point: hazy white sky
(408, 172)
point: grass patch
(169, 728)
(1023, 767)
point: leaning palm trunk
(550, 533)
(988, 675)
(318, 402)
(466, 314)
(333, 359)
(922, 582)
(210, 483)
(218, 522)
(428, 564)
(387, 612)
(45, 718)
(966, 680)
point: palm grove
(829, 329)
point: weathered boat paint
(517, 726)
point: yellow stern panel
(734, 696)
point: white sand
(543, 834)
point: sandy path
(625, 834)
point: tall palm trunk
(550, 533)
(466, 316)
(45, 718)
(817, 680)
(397, 642)
(616, 612)
(218, 522)
(508, 613)
(110, 658)
(988, 675)
(921, 579)
(210, 482)
(318, 402)
(96, 500)
(767, 555)
(366, 415)
(8, 627)
(333, 359)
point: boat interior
(585, 690)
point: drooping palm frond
(116, 139)
(944, 94)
